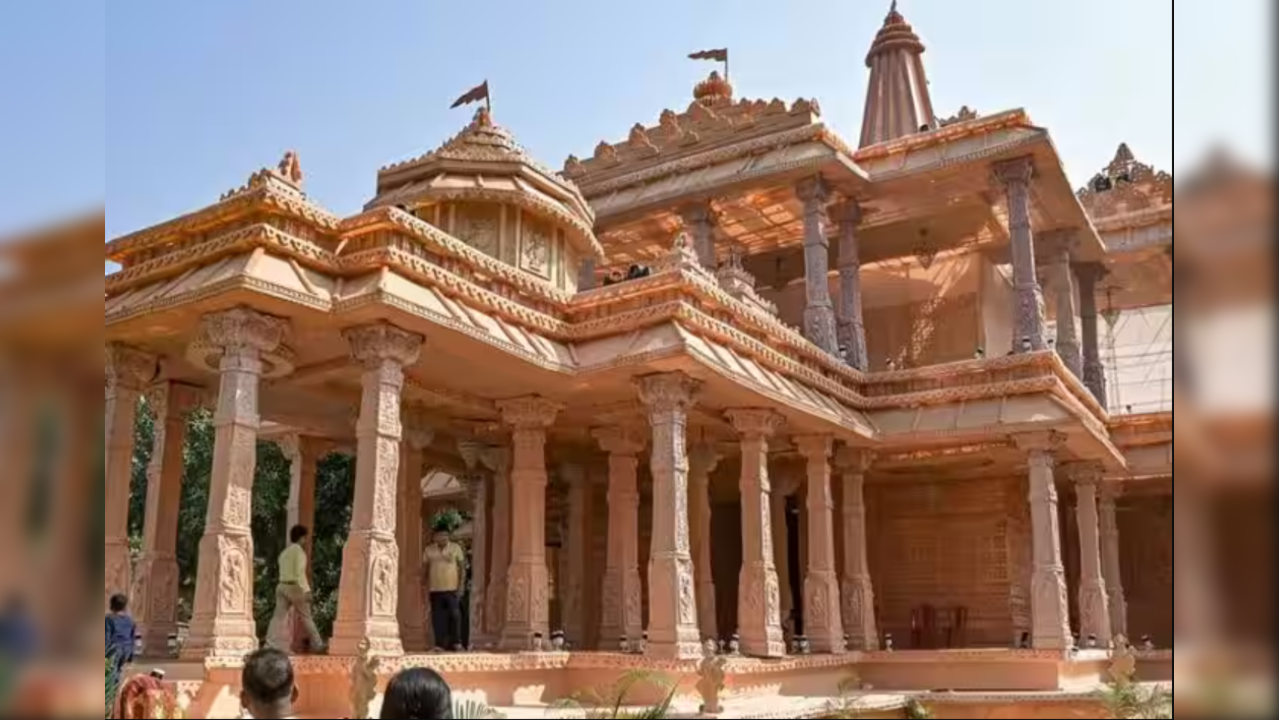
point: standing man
(445, 567)
(293, 592)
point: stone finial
(754, 422)
(130, 368)
(372, 345)
(620, 440)
(290, 168)
(529, 412)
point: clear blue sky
(193, 96)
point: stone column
(1049, 610)
(477, 490)
(576, 549)
(702, 461)
(758, 595)
(155, 589)
(1094, 370)
(127, 372)
(672, 598)
(622, 606)
(1110, 567)
(498, 461)
(528, 582)
(779, 526)
(852, 327)
(700, 220)
(1067, 332)
(304, 453)
(411, 609)
(1094, 602)
(819, 312)
(222, 623)
(1016, 175)
(856, 589)
(823, 625)
(368, 603)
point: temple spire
(897, 98)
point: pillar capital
(572, 473)
(373, 345)
(497, 458)
(529, 413)
(243, 329)
(129, 368)
(1040, 443)
(621, 440)
(1089, 274)
(814, 192)
(754, 423)
(1017, 171)
(848, 211)
(471, 452)
(851, 459)
(1086, 474)
(668, 392)
(698, 213)
(703, 458)
(173, 400)
(814, 447)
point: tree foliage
(334, 491)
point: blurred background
(64, 135)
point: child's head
(298, 533)
(266, 684)
(119, 603)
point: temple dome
(485, 189)
(898, 102)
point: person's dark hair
(298, 533)
(268, 676)
(416, 694)
(119, 603)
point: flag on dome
(475, 94)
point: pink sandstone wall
(1146, 554)
(946, 544)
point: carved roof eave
(983, 125)
(1135, 219)
(273, 195)
(580, 233)
(553, 184)
(815, 131)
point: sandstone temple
(730, 378)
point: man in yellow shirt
(445, 573)
(293, 593)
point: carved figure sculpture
(363, 680)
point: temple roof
(484, 162)
(712, 120)
(1126, 186)
(897, 97)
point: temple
(730, 379)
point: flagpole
(725, 66)
(488, 98)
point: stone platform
(967, 683)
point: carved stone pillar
(700, 220)
(477, 490)
(1094, 369)
(758, 595)
(528, 582)
(819, 312)
(823, 625)
(127, 372)
(1110, 571)
(1094, 602)
(222, 623)
(672, 598)
(411, 609)
(577, 550)
(702, 461)
(1050, 613)
(498, 461)
(155, 589)
(1067, 332)
(856, 589)
(1016, 175)
(852, 327)
(368, 603)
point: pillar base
(1051, 619)
(858, 596)
(223, 625)
(758, 618)
(116, 563)
(707, 612)
(1094, 612)
(527, 607)
(368, 596)
(383, 636)
(822, 623)
(156, 596)
(672, 625)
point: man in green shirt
(293, 593)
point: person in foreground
(266, 685)
(293, 592)
(445, 570)
(121, 633)
(417, 694)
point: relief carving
(687, 597)
(517, 600)
(536, 253)
(234, 583)
(480, 233)
(385, 589)
(238, 507)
